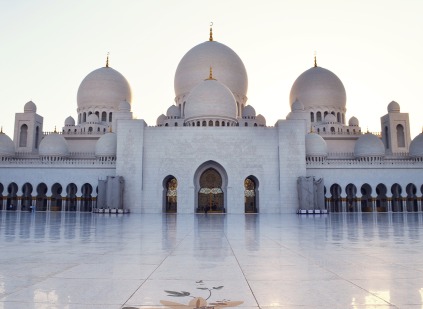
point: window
(23, 136)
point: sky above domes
(48, 47)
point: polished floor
(78, 260)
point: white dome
(330, 118)
(248, 111)
(369, 145)
(69, 121)
(315, 145)
(104, 87)
(93, 118)
(54, 145)
(393, 107)
(261, 120)
(160, 120)
(7, 147)
(297, 106)
(106, 145)
(416, 147)
(210, 99)
(317, 88)
(226, 65)
(30, 107)
(353, 122)
(173, 111)
(124, 106)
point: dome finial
(211, 74)
(107, 60)
(55, 131)
(1, 130)
(315, 59)
(211, 32)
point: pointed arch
(23, 136)
(170, 194)
(251, 185)
(210, 185)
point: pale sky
(48, 47)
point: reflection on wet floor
(82, 260)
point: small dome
(30, 107)
(317, 88)
(225, 63)
(173, 111)
(106, 145)
(54, 145)
(261, 120)
(353, 122)
(160, 120)
(416, 147)
(92, 118)
(248, 111)
(103, 87)
(297, 106)
(69, 121)
(369, 145)
(315, 145)
(393, 107)
(210, 99)
(330, 118)
(124, 106)
(7, 147)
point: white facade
(210, 151)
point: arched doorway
(170, 185)
(86, 198)
(56, 197)
(26, 197)
(396, 191)
(71, 199)
(41, 203)
(210, 195)
(351, 191)
(381, 199)
(335, 199)
(411, 197)
(366, 198)
(12, 197)
(250, 194)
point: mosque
(211, 152)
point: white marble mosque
(211, 151)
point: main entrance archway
(210, 185)
(210, 195)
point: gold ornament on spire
(1, 130)
(107, 60)
(315, 59)
(211, 32)
(211, 74)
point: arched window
(387, 137)
(104, 116)
(79, 118)
(84, 117)
(23, 136)
(400, 136)
(246, 124)
(319, 116)
(223, 123)
(110, 117)
(198, 123)
(217, 123)
(210, 123)
(311, 116)
(97, 114)
(338, 116)
(204, 123)
(37, 136)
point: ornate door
(210, 196)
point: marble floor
(78, 260)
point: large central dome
(319, 88)
(225, 62)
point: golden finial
(107, 60)
(55, 131)
(315, 59)
(211, 32)
(1, 130)
(110, 130)
(211, 74)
